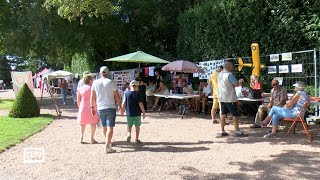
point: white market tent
(59, 74)
(47, 73)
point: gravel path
(173, 148)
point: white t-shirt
(187, 89)
(104, 89)
(206, 90)
(80, 83)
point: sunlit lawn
(6, 104)
(14, 130)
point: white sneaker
(270, 135)
(110, 150)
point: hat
(134, 83)
(104, 70)
(299, 84)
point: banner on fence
(19, 78)
(209, 67)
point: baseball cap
(299, 84)
(134, 83)
(104, 70)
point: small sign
(286, 56)
(274, 57)
(272, 69)
(296, 68)
(283, 69)
(33, 155)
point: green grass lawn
(14, 130)
(6, 104)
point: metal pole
(315, 72)
(315, 77)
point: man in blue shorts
(228, 98)
(104, 93)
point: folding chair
(300, 118)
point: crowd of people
(98, 101)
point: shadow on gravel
(66, 118)
(291, 164)
(124, 122)
(188, 172)
(256, 136)
(301, 164)
(162, 146)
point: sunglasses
(275, 84)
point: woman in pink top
(84, 115)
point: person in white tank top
(228, 98)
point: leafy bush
(310, 90)
(25, 105)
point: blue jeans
(277, 113)
(74, 95)
(64, 95)
(107, 117)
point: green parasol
(138, 57)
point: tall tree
(4, 69)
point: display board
(209, 67)
(120, 77)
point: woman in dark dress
(142, 84)
(159, 78)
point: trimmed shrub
(25, 105)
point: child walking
(133, 104)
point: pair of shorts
(215, 103)
(107, 117)
(134, 120)
(227, 107)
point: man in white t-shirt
(206, 91)
(104, 93)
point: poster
(272, 69)
(283, 69)
(120, 77)
(19, 78)
(296, 68)
(209, 67)
(286, 56)
(274, 57)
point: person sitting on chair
(241, 90)
(290, 110)
(206, 91)
(162, 90)
(278, 97)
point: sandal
(262, 125)
(255, 126)
(224, 134)
(93, 141)
(215, 122)
(241, 134)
